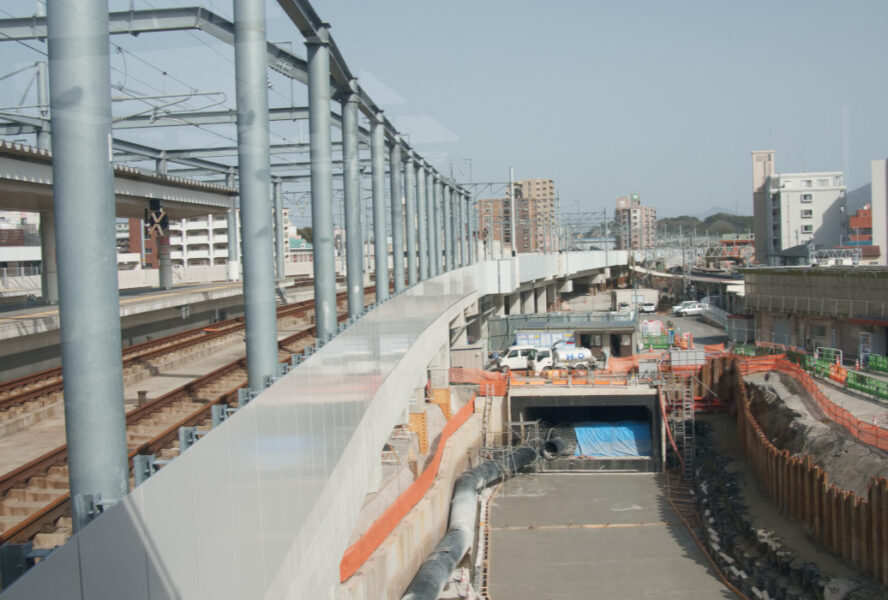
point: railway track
(30, 399)
(35, 500)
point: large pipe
(319, 123)
(83, 202)
(554, 448)
(251, 73)
(435, 571)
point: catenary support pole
(164, 262)
(89, 313)
(279, 240)
(473, 241)
(320, 152)
(250, 67)
(513, 235)
(463, 230)
(397, 214)
(351, 186)
(410, 218)
(448, 230)
(49, 272)
(380, 243)
(421, 225)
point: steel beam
(351, 190)
(421, 225)
(397, 215)
(410, 218)
(380, 242)
(321, 185)
(89, 312)
(253, 160)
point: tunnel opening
(592, 433)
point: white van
(515, 358)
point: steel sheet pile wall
(854, 527)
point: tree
(305, 233)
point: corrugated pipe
(434, 572)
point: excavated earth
(793, 421)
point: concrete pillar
(499, 305)
(397, 214)
(83, 203)
(49, 272)
(527, 301)
(351, 188)
(540, 299)
(448, 231)
(410, 213)
(320, 151)
(251, 66)
(422, 225)
(551, 295)
(380, 245)
(279, 241)
(514, 303)
(165, 263)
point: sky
(664, 99)
(667, 99)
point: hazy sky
(666, 99)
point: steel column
(380, 245)
(164, 262)
(448, 231)
(251, 71)
(463, 229)
(278, 229)
(320, 151)
(351, 187)
(397, 215)
(422, 226)
(438, 229)
(472, 242)
(410, 214)
(89, 312)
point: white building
(801, 207)
(880, 208)
(203, 241)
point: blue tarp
(613, 438)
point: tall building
(879, 202)
(762, 168)
(535, 215)
(494, 220)
(802, 208)
(636, 224)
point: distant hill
(717, 223)
(856, 198)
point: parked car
(683, 305)
(648, 307)
(695, 308)
(623, 306)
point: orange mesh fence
(489, 382)
(867, 433)
(714, 348)
(358, 553)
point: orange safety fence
(714, 348)
(868, 433)
(358, 553)
(490, 382)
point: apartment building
(494, 220)
(536, 215)
(636, 224)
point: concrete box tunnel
(603, 432)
